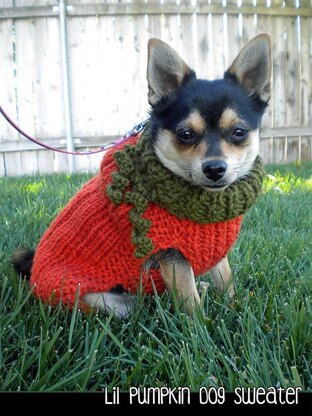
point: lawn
(262, 338)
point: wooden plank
(6, 3)
(287, 131)
(139, 81)
(45, 161)
(2, 165)
(293, 149)
(306, 71)
(279, 85)
(85, 67)
(95, 161)
(279, 150)
(233, 34)
(82, 163)
(249, 24)
(266, 150)
(58, 143)
(150, 8)
(218, 53)
(48, 89)
(25, 74)
(13, 164)
(10, 163)
(306, 149)
(264, 24)
(38, 77)
(32, 3)
(188, 33)
(293, 90)
(29, 163)
(204, 44)
(60, 163)
(123, 92)
(7, 80)
(154, 27)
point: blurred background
(76, 72)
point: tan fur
(195, 122)
(181, 277)
(165, 70)
(183, 161)
(229, 119)
(252, 66)
(221, 276)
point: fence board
(140, 39)
(7, 87)
(293, 90)
(188, 33)
(2, 165)
(203, 45)
(306, 88)
(7, 81)
(264, 25)
(45, 161)
(233, 34)
(217, 55)
(306, 148)
(60, 162)
(108, 69)
(279, 85)
(29, 162)
(13, 164)
(121, 9)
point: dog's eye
(185, 136)
(239, 135)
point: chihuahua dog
(205, 132)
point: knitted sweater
(90, 243)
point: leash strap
(133, 132)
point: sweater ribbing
(90, 245)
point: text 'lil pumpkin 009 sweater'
(133, 208)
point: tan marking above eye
(229, 119)
(194, 122)
(251, 142)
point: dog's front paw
(203, 286)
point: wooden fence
(107, 57)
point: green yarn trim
(150, 181)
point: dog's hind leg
(221, 276)
(121, 303)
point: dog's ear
(166, 70)
(252, 66)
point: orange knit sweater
(89, 244)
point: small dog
(206, 133)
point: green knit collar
(150, 181)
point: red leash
(133, 132)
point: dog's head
(207, 132)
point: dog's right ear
(166, 70)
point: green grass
(262, 338)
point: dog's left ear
(166, 70)
(252, 66)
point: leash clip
(136, 129)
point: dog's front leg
(178, 274)
(221, 276)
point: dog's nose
(214, 169)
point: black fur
(22, 261)
(210, 98)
